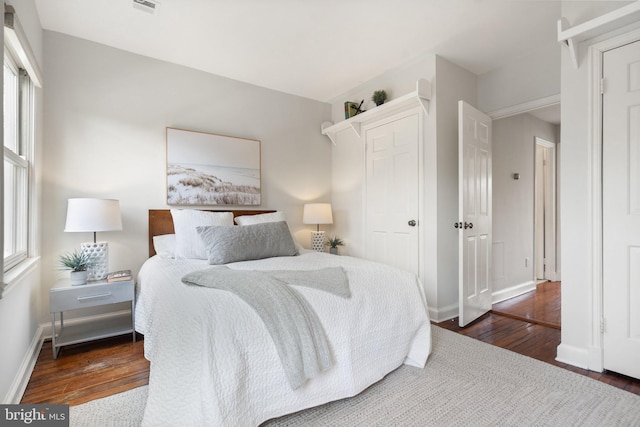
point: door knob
(468, 225)
(412, 223)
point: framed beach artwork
(208, 169)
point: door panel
(621, 210)
(392, 193)
(474, 148)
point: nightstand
(65, 297)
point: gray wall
(453, 83)
(522, 80)
(450, 83)
(513, 200)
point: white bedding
(214, 363)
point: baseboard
(19, 385)
(596, 359)
(513, 291)
(572, 355)
(445, 313)
(451, 311)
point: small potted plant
(379, 97)
(333, 243)
(78, 262)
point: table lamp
(317, 213)
(93, 215)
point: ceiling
(318, 49)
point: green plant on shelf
(379, 96)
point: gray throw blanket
(291, 321)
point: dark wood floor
(85, 372)
(90, 371)
(541, 306)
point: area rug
(465, 383)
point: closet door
(621, 210)
(392, 193)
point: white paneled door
(474, 206)
(621, 209)
(392, 194)
(545, 210)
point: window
(22, 75)
(18, 125)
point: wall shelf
(420, 97)
(572, 36)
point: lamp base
(99, 255)
(317, 241)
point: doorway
(526, 215)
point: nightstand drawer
(92, 295)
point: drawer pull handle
(106, 294)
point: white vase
(78, 278)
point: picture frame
(206, 169)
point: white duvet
(213, 363)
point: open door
(474, 208)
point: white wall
(513, 201)
(106, 113)
(579, 345)
(21, 304)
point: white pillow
(165, 245)
(260, 219)
(188, 243)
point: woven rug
(465, 383)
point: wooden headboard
(161, 222)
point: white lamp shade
(317, 213)
(91, 215)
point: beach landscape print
(209, 169)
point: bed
(214, 360)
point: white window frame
(20, 159)
(21, 58)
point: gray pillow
(257, 241)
